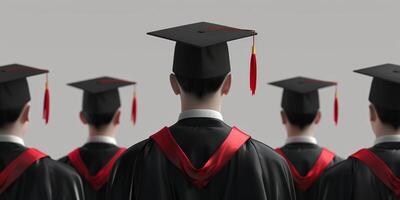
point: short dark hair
(301, 120)
(9, 116)
(200, 87)
(388, 116)
(98, 120)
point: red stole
(380, 169)
(97, 181)
(200, 177)
(18, 166)
(305, 182)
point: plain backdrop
(78, 39)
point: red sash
(18, 166)
(200, 177)
(380, 169)
(97, 181)
(305, 182)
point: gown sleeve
(276, 173)
(67, 183)
(336, 183)
(122, 177)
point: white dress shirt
(387, 138)
(102, 139)
(204, 113)
(301, 139)
(12, 138)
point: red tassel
(253, 69)
(46, 102)
(336, 108)
(134, 108)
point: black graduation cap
(201, 50)
(300, 95)
(101, 95)
(385, 87)
(14, 88)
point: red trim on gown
(305, 182)
(380, 169)
(97, 181)
(18, 166)
(200, 177)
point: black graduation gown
(255, 172)
(353, 180)
(45, 179)
(304, 156)
(95, 156)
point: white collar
(387, 138)
(196, 113)
(12, 138)
(102, 139)
(301, 139)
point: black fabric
(45, 180)
(14, 94)
(388, 72)
(385, 87)
(304, 156)
(101, 103)
(385, 94)
(255, 172)
(201, 63)
(298, 103)
(14, 89)
(101, 94)
(300, 94)
(201, 49)
(202, 34)
(200, 143)
(95, 156)
(353, 180)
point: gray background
(78, 39)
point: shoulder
(63, 159)
(340, 172)
(134, 151)
(54, 171)
(59, 169)
(337, 159)
(265, 152)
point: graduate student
(201, 156)
(372, 173)
(101, 112)
(25, 172)
(300, 114)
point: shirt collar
(387, 138)
(201, 113)
(12, 138)
(102, 139)
(301, 139)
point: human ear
(83, 118)
(174, 84)
(317, 117)
(226, 85)
(117, 117)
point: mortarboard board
(385, 86)
(300, 95)
(14, 88)
(101, 95)
(201, 50)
